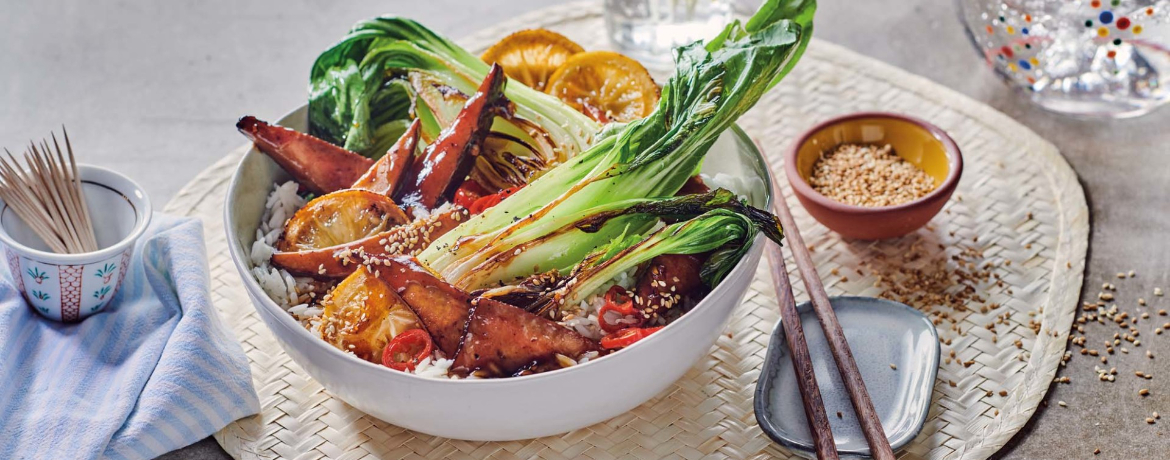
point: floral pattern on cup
(68, 292)
(38, 276)
(106, 272)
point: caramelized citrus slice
(531, 56)
(339, 218)
(362, 314)
(606, 86)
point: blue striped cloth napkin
(154, 372)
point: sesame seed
(866, 175)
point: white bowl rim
(139, 202)
(287, 321)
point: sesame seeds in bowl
(846, 178)
(868, 175)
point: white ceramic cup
(71, 287)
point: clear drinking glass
(649, 30)
(1084, 57)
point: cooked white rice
(751, 189)
(283, 288)
(435, 368)
(583, 318)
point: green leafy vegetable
(562, 243)
(356, 90)
(715, 83)
(727, 232)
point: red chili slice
(627, 337)
(616, 300)
(409, 348)
(487, 202)
(467, 193)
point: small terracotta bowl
(919, 142)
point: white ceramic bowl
(71, 287)
(508, 408)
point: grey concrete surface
(153, 88)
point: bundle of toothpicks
(47, 196)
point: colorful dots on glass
(1015, 39)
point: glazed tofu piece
(441, 308)
(362, 314)
(317, 165)
(502, 340)
(383, 177)
(433, 178)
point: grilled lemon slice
(606, 86)
(338, 218)
(362, 314)
(531, 56)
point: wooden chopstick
(871, 425)
(806, 380)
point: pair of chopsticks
(810, 394)
(47, 196)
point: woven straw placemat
(1018, 201)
